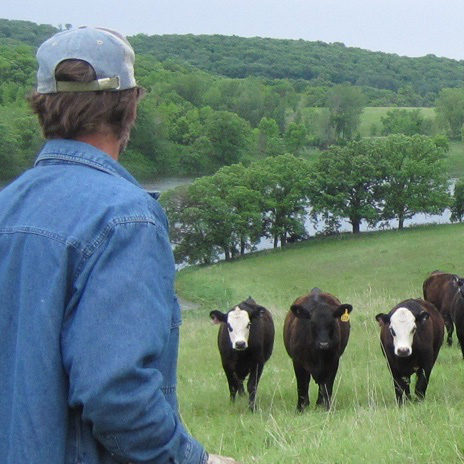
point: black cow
(245, 341)
(411, 336)
(457, 313)
(316, 332)
(440, 288)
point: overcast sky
(405, 27)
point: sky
(405, 27)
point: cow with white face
(245, 341)
(411, 336)
(238, 325)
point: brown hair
(72, 114)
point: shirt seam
(78, 160)
(71, 241)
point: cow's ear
(343, 309)
(300, 311)
(258, 311)
(217, 317)
(422, 317)
(250, 300)
(382, 319)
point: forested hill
(25, 31)
(323, 63)
(317, 63)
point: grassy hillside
(373, 272)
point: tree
(415, 180)
(229, 136)
(345, 104)
(450, 111)
(268, 139)
(344, 183)
(283, 183)
(407, 122)
(295, 137)
(215, 214)
(457, 204)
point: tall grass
(372, 272)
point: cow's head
(322, 323)
(402, 325)
(238, 321)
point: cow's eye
(392, 332)
(248, 325)
(413, 331)
(229, 327)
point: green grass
(373, 272)
(373, 116)
(455, 160)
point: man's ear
(217, 317)
(382, 319)
(300, 311)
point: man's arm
(112, 340)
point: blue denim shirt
(89, 321)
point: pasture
(372, 116)
(373, 272)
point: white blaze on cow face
(402, 329)
(238, 324)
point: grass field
(373, 272)
(373, 116)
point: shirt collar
(82, 153)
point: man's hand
(215, 459)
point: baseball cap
(108, 52)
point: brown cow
(316, 332)
(440, 288)
(245, 341)
(411, 336)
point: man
(89, 321)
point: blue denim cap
(108, 52)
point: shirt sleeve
(113, 335)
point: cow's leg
(240, 379)
(325, 389)
(460, 335)
(325, 392)
(234, 384)
(302, 382)
(252, 385)
(422, 383)
(401, 387)
(449, 327)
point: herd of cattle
(316, 332)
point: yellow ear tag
(345, 316)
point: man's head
(86, 85)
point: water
(168, 183)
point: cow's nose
(240, 346)
(323, 345)
(403, 352)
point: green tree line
(372, 180)
(417, 79)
